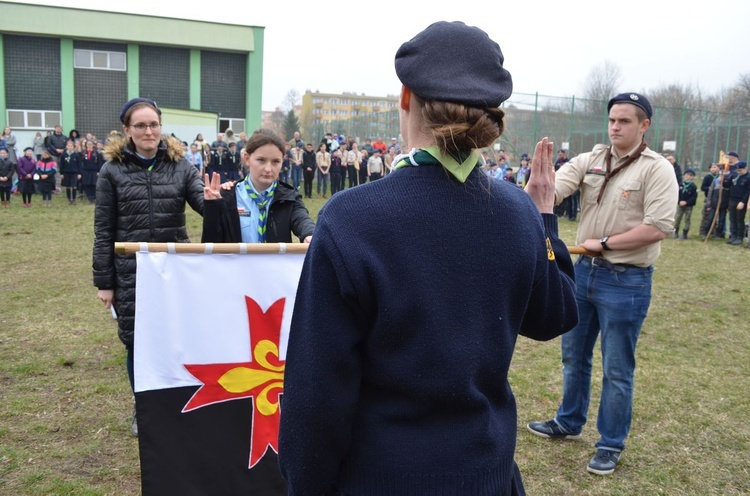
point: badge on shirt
(242, 212)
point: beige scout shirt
(645, 192)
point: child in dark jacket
(7, 170)
(70, 171)
(688, 196)
(47, 170)
(91, 163)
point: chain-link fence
(694, 136)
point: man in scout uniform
(628, 198)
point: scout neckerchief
(149, 163)
(686, 185)
(431, 155)
(261, 200)
(612, 173)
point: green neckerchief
(431, 156)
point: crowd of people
(54, 161)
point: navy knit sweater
(403, 331)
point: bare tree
(276, 122)
(737, 100)
(600, 85)
(291, 100)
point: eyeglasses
(141, 126)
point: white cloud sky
(549, 46)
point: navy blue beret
(453, 62)
(135, 101)
(733, 154)
(633, 98)
(741, 164)
(689, 171)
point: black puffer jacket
(135, 204)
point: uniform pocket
(592, 183)
(630, 193)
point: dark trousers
(129, 365)
(705, 221)
(308, 175)
(721, 221)
(352, 175)
(335, 181)
(90, 192)
(736, 220)
(571, 204)
(375, 176)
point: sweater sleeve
(323, 371)
(552, 307)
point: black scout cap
(135, 101)
(634, 99)
(453, 62)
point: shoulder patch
(550, 253)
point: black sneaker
(551, 430)
(604, 462)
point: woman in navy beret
(402, 335)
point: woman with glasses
(141, 194)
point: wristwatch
(603, 241)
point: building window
(236, 125)
(95, 59)
(344, 112)
(326, 101)
(334, 101)
(33, 119)
(326, 111)
(344, 101)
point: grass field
(65, 403)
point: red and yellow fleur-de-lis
(262, 379)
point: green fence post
(682, 131)
(571, 126)
(729, 130)
(536, 114)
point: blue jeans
(614, 304)
(322, 182)
(296, 176)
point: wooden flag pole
(724, 161)
(209, 248)
(237, 248)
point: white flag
(191, 309)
